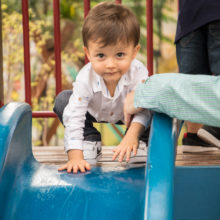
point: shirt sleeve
(194, 98)
(74, 116)
(143, 118)
(140, 74)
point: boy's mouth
(111, 73)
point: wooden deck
(56, 156)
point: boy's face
(111, 62)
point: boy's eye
(121, 54)
(100, 55)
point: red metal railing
(149, 22)
(57, 46)
(1, 64)
(27, 69)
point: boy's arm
(74, 117)
(74, 121)
(129, 143)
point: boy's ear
(86, 51)
(136, 49)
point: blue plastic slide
(30, 190)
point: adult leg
(208, 133)
(192, 58)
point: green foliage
(71, 9)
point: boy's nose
(110, 64)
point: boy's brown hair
(110, 23)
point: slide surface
(30, 190)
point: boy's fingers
(62, 167)
(128, 153)
(75, 169)
(117, 151)
(69, 168)
(121, 156)
(87, 166)
(81, 168)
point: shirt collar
(96, 81)
(98, 84)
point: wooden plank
(56, 155)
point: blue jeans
(90, 133)
(199, 51)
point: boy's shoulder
(137, 65)
(88, 77)
(137, 70)
(84, 73)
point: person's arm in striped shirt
(194, 98)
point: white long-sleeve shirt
(91, 94)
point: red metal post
(1, 64)
(118, 1)
(57, 45)
(27, 70)
(149, 21)
(43, 114)
(86, 11)
(86, 7)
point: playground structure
(30, 190)
(159, 191)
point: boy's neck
(111, 86)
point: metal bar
(57, 45)
(112, 130)
(43, 114)
(86, 7)
(27, 71)
(1, 63)
(149, 21)
(160, 168)
(86, 11)
(117, 130)
(159, 188)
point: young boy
(111, 34)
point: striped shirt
(194, 98)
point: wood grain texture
(55, 155)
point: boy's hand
(129, 108)
(127, 145)
(75, 166)
(76, 162)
